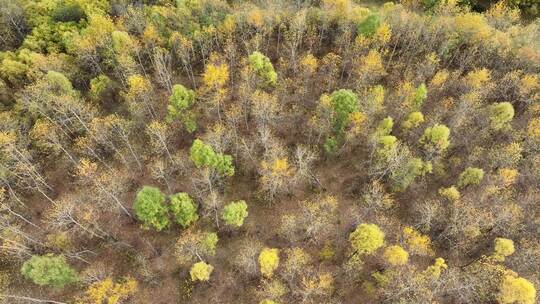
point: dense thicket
(209, 151)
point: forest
(269, 151)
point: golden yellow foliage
(516, 290)
(508, 176)
(109, 292)
(255, 17)
(215, 76)
(396, 255)
(478, 78)
(268, 261)
(436, 269)
(201, 271)
(310, 63)
(417, 243)
(440, 78)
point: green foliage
(436, 138)
(209, 242)
(414, 119)
(180, 102)
(68, 12)
(419, 96)
(344, 102)
(471, 176)
(121, 42)
(501, 114)
(450, 193)
(384, 127)
(204, 155)
(330, 145)
(235, 213)
(58, 83)
(405, 175)
(369, 25)
(49, 270)
(366, 238)
(263, 68)
(183, 209)
(99, 85)
(150, 208)
(386, 145)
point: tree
(470, 176)
(514, 289)
(344, 102)
(180, 103)
(49, 270)
(183, 209)
(204, 155)
(192, 246)
(451, 193)
(419, 96)
(414, 119)
(268, 261)
(150, 208)
(366, 238)
(234, 213)
(500, 114)
(369, 25)
(384, 128)
(436, 138)
(110, 292)
(396, 255)
(263, 68)
(201, 271)
(503, 247)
